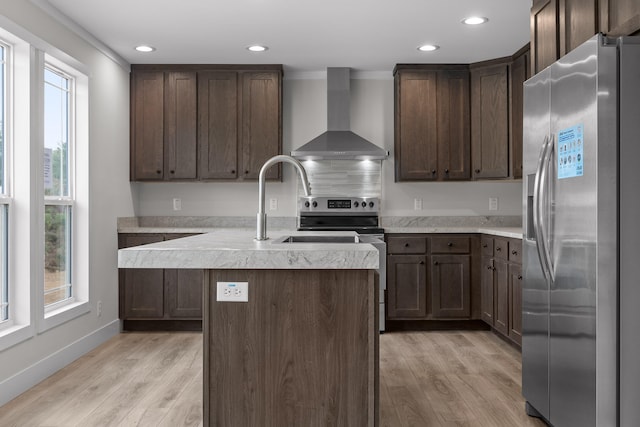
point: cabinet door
(486, 291)
(544, 34)
(619, 17)
(261, 124)
(515, 303)
(407, 286)
(147, 125)
(578, 23)
(490, 122)
(218, 124)
(451, 286)
(180, 149)
(519, 72)
(501, 296)
(141, 290)
(416, 134)
(183, 292)
(454, 138)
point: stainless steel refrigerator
(581, 243)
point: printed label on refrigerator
(570, 152)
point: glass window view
(57, 187)
(4, 283)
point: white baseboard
(27, 378)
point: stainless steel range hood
(338, 142)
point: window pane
(2, 118)
(57, 254)
(4, 282)
(56, 134)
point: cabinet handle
(477, 170)
(435, 262)
(514, 252)
(421, 262)
(489, 267)
(433, 171)
(519, 277)
(446, 171)
(449, 244)
(233, 171)
(158, 171)
(406, 245)
(246, 172)
(484, 245)
(498, 249)
(172, 172)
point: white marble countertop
(513, 232)
(236, 249)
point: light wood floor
(155, 379)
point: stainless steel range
(359, 214)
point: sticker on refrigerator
(570, 152)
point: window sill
(63, 314)
(14, 334)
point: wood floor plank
(427, 379)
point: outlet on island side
(417, 204)
(493, 203)
(177, 204)
(232, 291)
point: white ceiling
(304, 35)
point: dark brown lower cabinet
(157, 299)
(451, 286)
(407, 286)
(501, 286)
(515, 303)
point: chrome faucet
(261, 233)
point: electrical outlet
(273, 204)
(99, 309)
(177, 204)
(493, 203)
(232, 291)
(417, 204)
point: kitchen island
(303, 350)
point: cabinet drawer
(486, 245)
(406, 245)
(450, 245)
(501, 248)
(515, 251)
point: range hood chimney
(338, 142)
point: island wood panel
(302, 351)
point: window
(4, 196)
(58, 205)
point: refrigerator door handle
(539, 195)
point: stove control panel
(338, 205)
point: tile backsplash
(360, 178)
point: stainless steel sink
(317, 239)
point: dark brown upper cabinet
(431, 122)
(205, 122)
(490, 119)
(619, 17)
(518, 73)
(559, 26)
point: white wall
(110, 197)
(304, 100)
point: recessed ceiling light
(428, 47)
(257, 48)
(474, 20)
(145, 48)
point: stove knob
(306, 204)
(315, 204)
(364, 204)
(370, 204)
(356, 204)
